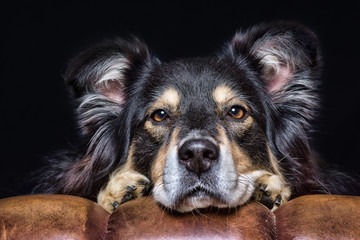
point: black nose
(198, 155)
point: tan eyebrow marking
(223, 94)
(169, 99)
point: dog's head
(201, 129)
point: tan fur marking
(248, 122)
(275, 183)
(241, 159)
(274, 162)
(223, 94)
(240, 128)
(170, 99)
(156, 132)
(275, 186)
(119, 180)
(157, 169)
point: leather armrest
(51, 217)
(319, 217)
(69, 217)
(146, 220)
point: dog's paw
(271, 191)
(123, 186)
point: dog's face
(202, 139)
(203, 130)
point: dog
(216, 131)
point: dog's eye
(237, 112)
(159, 115)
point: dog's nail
(115, 204)
(267, 201)
(278, 200)
(263, 187)
(131, 188)
(143, 182)
(127, 198)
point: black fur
(112, 112)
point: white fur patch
(277, 67)
(110, 83)
(114, 70)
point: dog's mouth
(199, 192)
(199, 198)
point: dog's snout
(198, 155)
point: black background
(38, 39)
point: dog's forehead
(196, 81)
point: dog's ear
(286, 56)
(104, 68)
(100, 76)
(283, 51)
(101, 79)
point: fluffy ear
(286, 56)
(101, 78)
(283, 51)
(103, 69)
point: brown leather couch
(69, 217)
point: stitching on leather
(275, 225)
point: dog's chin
(198, 199)
(199, 196)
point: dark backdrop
(38, 39)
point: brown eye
(159, 115)
(237, 112)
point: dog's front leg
(272, 190)
(124, 184)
